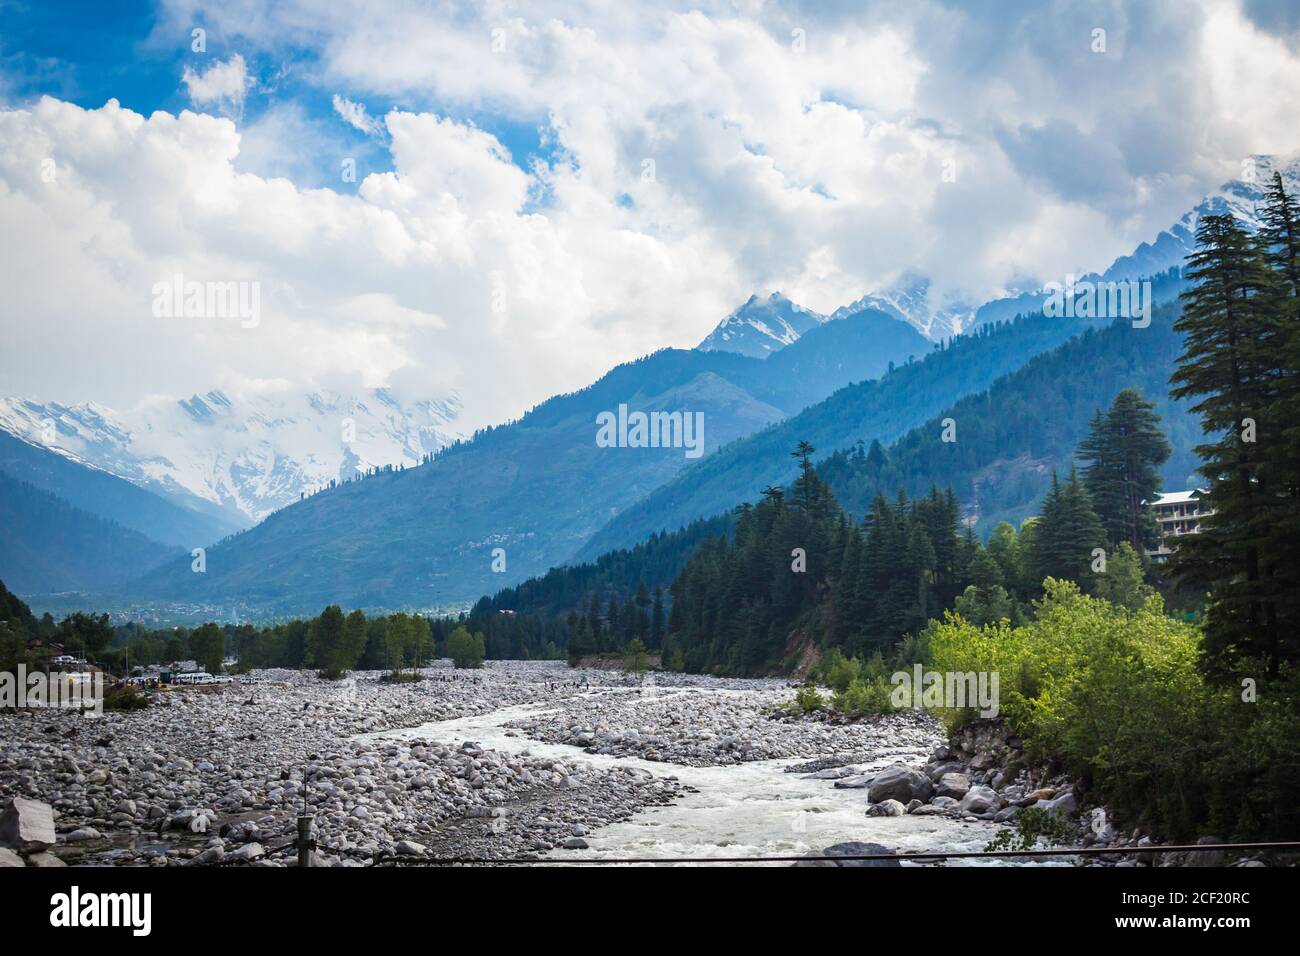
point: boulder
(1065, 805)
(831, 856)
(978, 800)
(248, 852)
(983, 761)
(1102, 831)
(952, 785)
(574, 843)
(1031, 798)
(831, 773)
(27, 825)
(45, 860)
(886, 808)
(10, 858)
(410, 848)
(901, 783)
(936, 770)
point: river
(752, 809)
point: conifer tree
(1123, 451)
(1234, 337)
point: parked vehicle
(196, 677)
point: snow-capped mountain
(1240, 197)
(761, 327)
(908, 300)
(248, 457)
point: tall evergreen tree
(1066, 534)
(1123, 452)
(1234, 337)
(1279, 238)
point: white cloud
(355, 115)
(223, 84)
(816, 170)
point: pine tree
(1124, 450)
(657, 620)
(1279, 239)
(1233, 339)
(1066, 534)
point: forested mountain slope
(110, 497)
(47, 544)
(881, 409)
(535, 488)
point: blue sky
(88, 52)
(544, 189)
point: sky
(504, 200)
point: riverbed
(750, 809)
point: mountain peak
(761, 326)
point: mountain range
(239, 459)
(407, 513)
(536, 488)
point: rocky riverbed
(215, 775)
(708, 726)
(515, 760)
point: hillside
(878, 410)
(654, 562)
(1009, 439)
(110, 497)
(1011, 436)
(48, 545)
(536, 488)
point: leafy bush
(808, 700)
(125, 698)
(634, 657)
(465, 649)
(837, 671)
(1117, 697)
(864, 697)
(1028, 825)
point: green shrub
(808, 700)
(864, 697)
(125, 698)
(1117, 697)
(1028, 825)
(465, 649)
(837, 671)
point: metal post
(306, 841)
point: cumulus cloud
(692, 154)
(223, 84)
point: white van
(195, 677)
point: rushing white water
(752, 809)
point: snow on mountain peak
(761, 327)
(248, 456)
